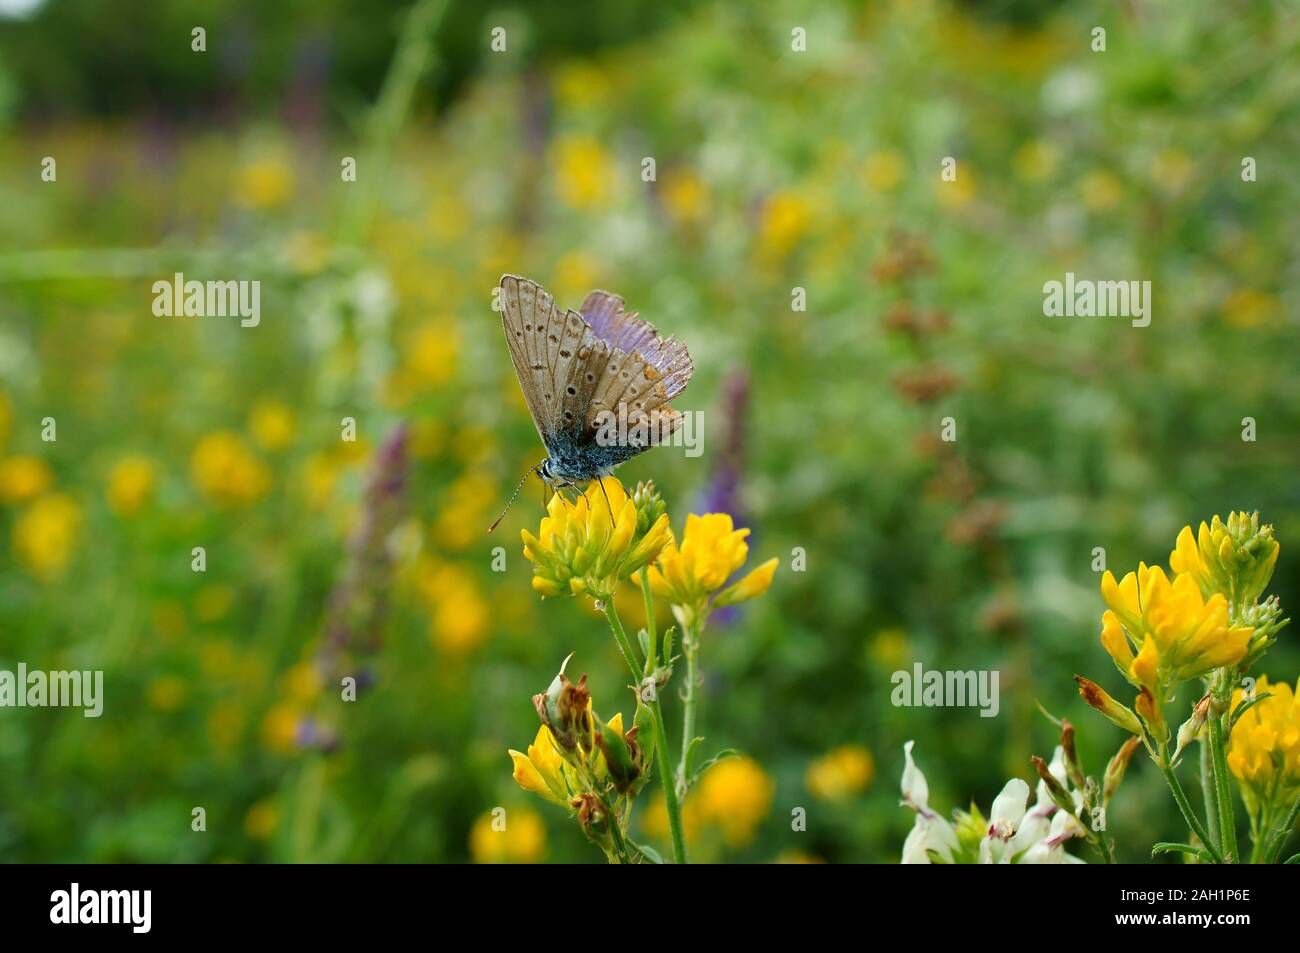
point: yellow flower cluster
(44, 533)
(1235, 558)
(841, 773)
(459, 615)
(591, 768)
(223, 467)
(130, 484)
(733, 797)
(1203, 623)
(516, 836)
(1264, 749)
(544, 772)
(272, 425)
(786, 218)
(23, 478)
(589, 546)
(711, 551)
(1177, 633)
(580, 549)
(584, 172)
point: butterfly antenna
(497, 521)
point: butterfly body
(581, 370)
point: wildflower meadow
(971, 535)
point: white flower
(1008, 811)
(1017, 832)
(930, 832)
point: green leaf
(722, 755)
(690, 755)
(643, 637)
(668, 645)
(1047, 714)
(1165, 847)
(645, 721)
(648, 852)
(1244, 707)
(1293, 859)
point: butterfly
(582, 371)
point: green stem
(653, 637)
(661, 739)
(1208, 793)
(624, 855)
(1227, 820)
(690, 648)
(624, 646)
(310, 791)
(1193, 822)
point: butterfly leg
(601, 481)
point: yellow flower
(1264, 748)
(320, 476)
(516, 836)
(1235, 558)
(685, 196)
(225, 469)
(889, 648)
(43, 535)
(431, 355)
(574, 751)
(710, 552)
(958, 192)
(465, 511)
(1036, 160)
(1172, 170)
(580, 549)
(460, 614)
(265, 182)
(1176, 632)
(735, 795)
(575, 274)
(883, 170)
(751, 586)
(584, 172)
(302, 683)
(23, 478)
(797, 857)
(580, 85)
(271, 424)
(787, 217)
(280, 727)
(841, 773)
(261, 820)
(166, 693)
(1101, 190)
(543, 772)
(130, 484)
(1249, 308)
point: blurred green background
(774, 170)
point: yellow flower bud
(1098, 698)
(753, 585)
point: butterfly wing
(640, 370)
(543, 348)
